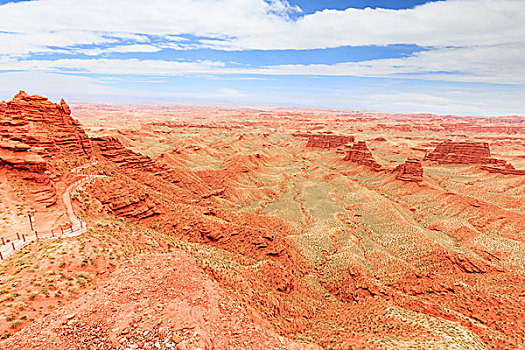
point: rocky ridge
(126, 200)
(46, 127)
(135, 164)
(508, 169)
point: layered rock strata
(463, 153)
(410, 171)
(136, 164)
(508, 169)
(360, 154)
(45, 126)
(328, 141)
(19, 156)
(112, 149)
(127, 201)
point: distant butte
(449, 152)
(360, 154)
(471, 153)
(327, 141)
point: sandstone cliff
(153, 172)
(463, 153)
(19, 156)
(45, 126)
(328, 141)
(360, 154)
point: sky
(449, 57)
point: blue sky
(311, 6)
(451, 57)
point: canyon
(244, 228)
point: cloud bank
(479, 41)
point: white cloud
(211, 18)
(119, 49)
(443, 23)
(469, 40)
(112, 66)
(464, 102)
(79, 88)
(257, 24)
(52, 85)
(502, 64)
(225, 92)
(471, 64)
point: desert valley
(179, 227)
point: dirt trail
(77, 225)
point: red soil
(154, 301)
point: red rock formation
(46, 126)
(360, 154)
(18, 155)
(508, 169)
(411, 171)
(34, 132)
(463, 153)
(328, 141)
(31, 168)
(42, 190)
(155, 173)
(126, 200)
(112, 149)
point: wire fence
(9, 247)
